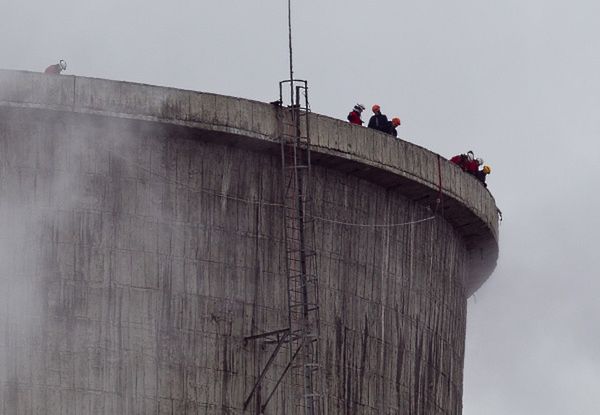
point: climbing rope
(258, 201)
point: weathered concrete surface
(362, 152)
(144, 242)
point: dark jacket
(481, 176)
(379, 122)
(354, 118)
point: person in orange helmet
(393, 124)
(379, 121)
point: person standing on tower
(57, 68)
(393, 124)
(379, 121)
(354, 116)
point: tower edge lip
(398, 165)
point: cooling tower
(143, 257)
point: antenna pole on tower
(290, 47)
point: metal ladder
(302, 336)
(302, 278)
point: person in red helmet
(379, 121)
(57, 68)
(354, 116)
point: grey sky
(516, 81)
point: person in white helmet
(56, 69)
(354, 116)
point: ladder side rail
(317, 321)
(285, 186)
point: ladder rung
(298, 166)
(297, 250)
(295, 260)
(298, 303)
(300, 293)
(298, 253)
(299, 274)
(292, 139)
(304, 287)
(293, 208)
(295, 276)
(297, 299)
(297, 229)
(309, 310)
(293, 135)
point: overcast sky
(516, 81)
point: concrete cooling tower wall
(142, 243)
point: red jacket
(53, 69)
(354, 118)
(460, 160)
(457, 159)
(463, 162)
(472, 166)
